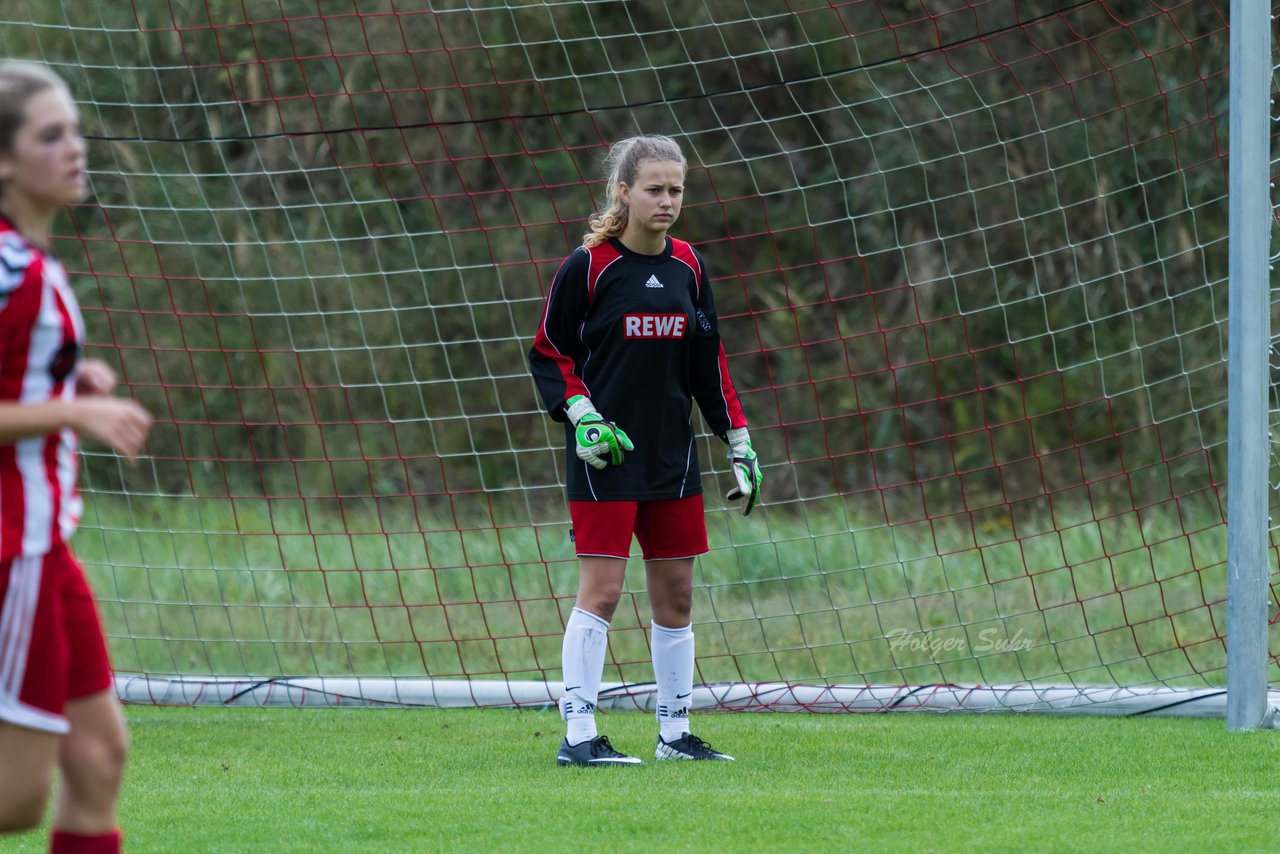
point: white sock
(582, 660)
(673, 671)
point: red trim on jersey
(602, 255)
(737, 418)
(683, 252)
(542, 342)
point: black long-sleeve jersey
(638, 335)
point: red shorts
(667, 530)
(51, 644)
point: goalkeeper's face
(654, 198)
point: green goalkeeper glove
(746, 469)
(600, 442)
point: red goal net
(970, 259)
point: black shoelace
(600, 746)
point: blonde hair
(624, 160)
(19, 82)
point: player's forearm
(20, 421)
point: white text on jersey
(654, 325)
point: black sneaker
(689, 746)
(595, 751)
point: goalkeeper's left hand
(599, 442)
(746, 469)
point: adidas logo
(653, 282)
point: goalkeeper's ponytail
(623, 160)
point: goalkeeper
(628, 341)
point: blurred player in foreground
(57, 704)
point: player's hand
(117, 422)
(94, 377)
(600, 442)
(746, 469)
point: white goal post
(1249, 453)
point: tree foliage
(969, 250)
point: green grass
(239, 780)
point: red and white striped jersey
(41, 338)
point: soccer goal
(972, 265)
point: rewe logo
(654, 325)
(653, 282)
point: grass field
(235, 780)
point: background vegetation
(944, 237)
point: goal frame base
(309, 692)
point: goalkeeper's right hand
(600, 442)
(746, 469)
